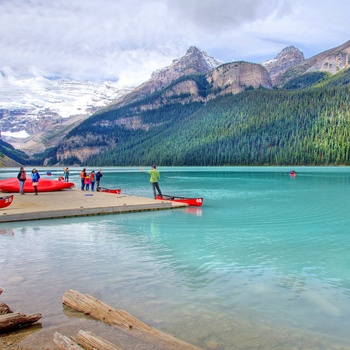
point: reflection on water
(263, 262)
(6, 231)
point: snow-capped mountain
(37, 112)
(29, 107)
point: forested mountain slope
(9, 156)
(299, 126)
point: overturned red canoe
(108, 190)
(195, 202)
(44, 185)
(5, 201)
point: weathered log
(123, 320)
(101, 311)
(16, 320)
(65, 343)
(90, 341)
(5, 309)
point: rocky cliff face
(287, 58)
(238, 76)
(229, 78)
(331, 61)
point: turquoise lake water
(263, 264)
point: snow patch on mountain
(17, 135)
(33, 98)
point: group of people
(22, 177)
(88, 180)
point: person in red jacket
(92, 180)
(87, 183)
(82, 178)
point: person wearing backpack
(35, 180)
(22, 176)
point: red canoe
(5, 201)
(194, 202)
(45, 185)
(102, 189)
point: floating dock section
(75, 203)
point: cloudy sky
(126, 40)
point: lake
(263, 264)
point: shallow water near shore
(263, 264)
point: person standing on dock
(155, 175)
(87, 182)
(35, 180)
(98, 179)
(82, 178)
(66, 174)
(22, 179)
(92, 180)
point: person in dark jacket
(22, 176)
(66, 174)
(98, 179)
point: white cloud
(129, 39)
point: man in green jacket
(155, 175)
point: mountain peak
(193, 49)
(194, 61)
(207, 60)
(289, 57)
(289, 50)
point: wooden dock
(75, 203)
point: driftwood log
(12, 321)
(90, 341)
(4, 309)
(64, 342)
(132, 326)
(86, 341)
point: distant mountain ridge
(331, 61)
(194, 78)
